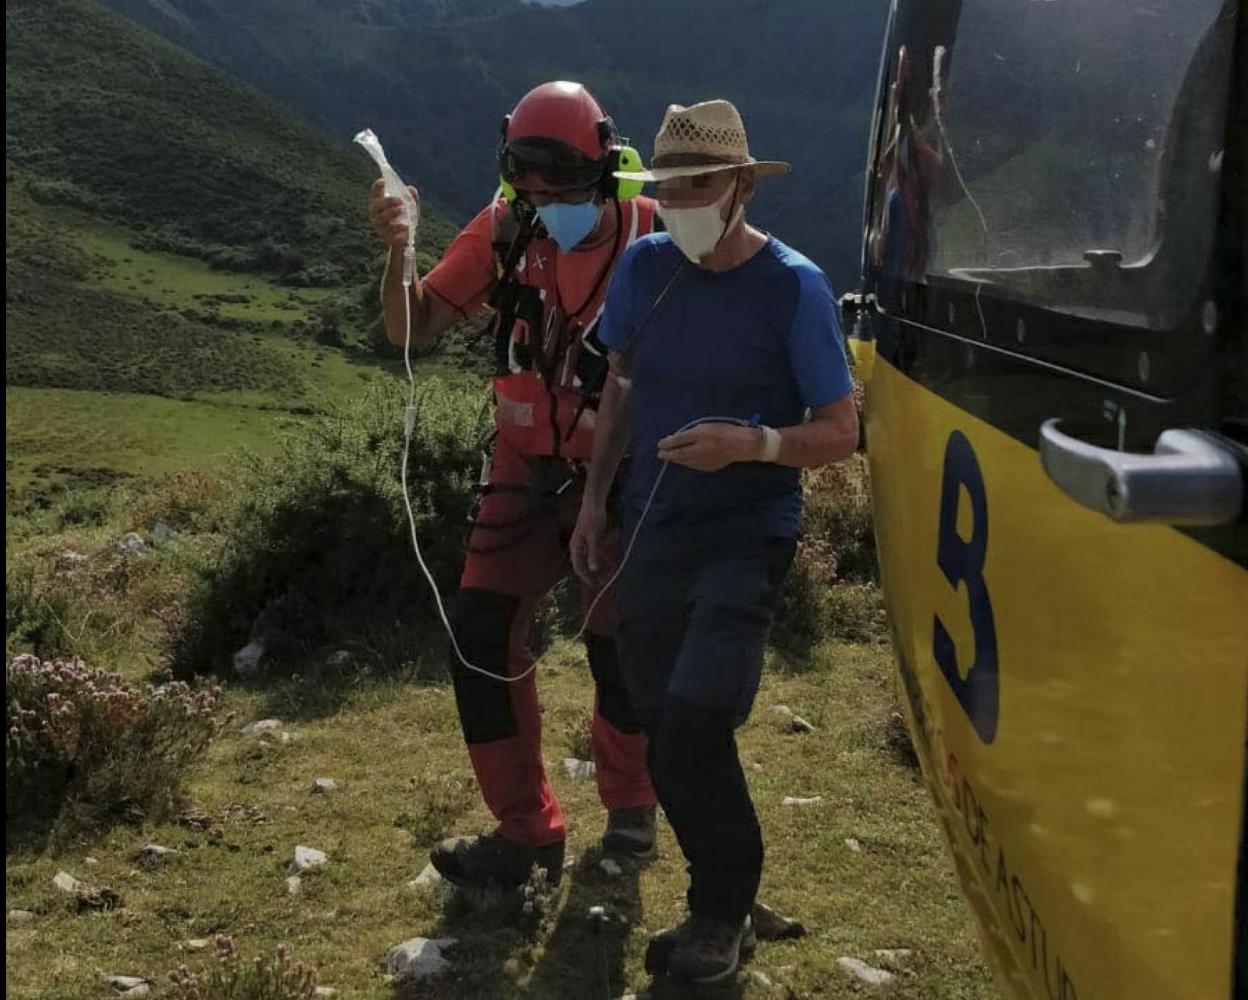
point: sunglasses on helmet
(554, 162)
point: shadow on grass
(568, 955)
(322, 684)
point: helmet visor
(554, 162)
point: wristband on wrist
(770, 450)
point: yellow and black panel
(1045, 241)
(1078, 692)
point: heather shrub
(231, 978)
(84, 748)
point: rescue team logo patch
(515, 413)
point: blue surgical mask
(568, 224)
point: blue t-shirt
(759, 342)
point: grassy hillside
(250, 804)
(105, 117)
(183, 258)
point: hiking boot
(630, 833)
(493, 861)
(709, 952)
(661, 947)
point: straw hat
(703, 139)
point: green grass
(50, 430)
(105, 116)
(395, 748)
(170, 282)
(118, 363)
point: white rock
(796, 800)
(419, 958)
(247, 660)
(142, 990)
(91, 861)
(294, 885)
(894, 958)
(762, 979)
(579, 769)
(307, 858)
(853, 845)
(428, 876)
(196, 944)
(20, 917)
(325, 991)
(262, 727)
(339, 658)
(155, 852)
(161, 532)
(790, 722)
(133, 545)
(610, 867)
(120, 984)
(66, 882)
(323, 786)
(868, 974)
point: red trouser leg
(619, 741)
(514, 558)
(517, 552)
(620, 757)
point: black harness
(517, 305)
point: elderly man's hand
(711, 447)
(586, 543)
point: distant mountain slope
(180, 253)
(435, 78)
(103, 116)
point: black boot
(493, 861)
(630, 833)
(662, 946)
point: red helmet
(559, 132)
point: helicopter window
(1061, 153)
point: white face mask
(697, 231)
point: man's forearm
(828, 438)
(611, 430)
(816, 443)
(393, 313)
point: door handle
(1189, 479)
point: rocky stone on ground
(307, 858)
(262, 727)
(133, 545)
(247, 660)
(579, 770)
(419, 958)
(66, 882)
(863, 972)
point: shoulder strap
(515, 231)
